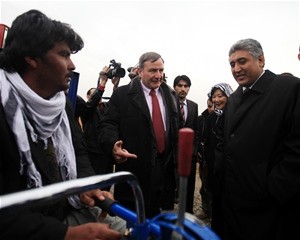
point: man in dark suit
(188, 118)
(260, 157)
(127, 132)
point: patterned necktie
(158, 124)
(182, 111)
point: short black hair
(183, 78)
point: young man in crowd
(40, 141)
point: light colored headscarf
(224, 87)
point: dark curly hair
(32, 34)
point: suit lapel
(136, 94)
(240, 103)
(245, 102)
(191, 111)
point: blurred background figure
(91, 116)
(188, 118)
(132, 72)
(206, 198)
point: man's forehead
(240, 54)
(182, 82)
(156, 62)
(239, 57)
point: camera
(115, 70)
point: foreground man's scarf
(26, 112)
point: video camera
(115, 70)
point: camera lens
(118, 72)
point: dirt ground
(197, 198)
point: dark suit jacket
(43, 223)
(91, 114)
(128, 119)
(262, 160)
(191, 122)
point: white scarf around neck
(25, 112)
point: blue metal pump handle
(162, 225)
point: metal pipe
(63, 189)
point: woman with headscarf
(219, 95)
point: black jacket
(43, 223)
(128, 119)
(261, 160)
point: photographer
(114, 72)
(132, 72)
(94, 110)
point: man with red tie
(140, 130)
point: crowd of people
(247, 141)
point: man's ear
(31, 62)
(261, 60)
(299, 56)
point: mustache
(70, 74)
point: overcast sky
(193, 37)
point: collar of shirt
(185, 102)
(244, 88)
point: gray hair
(250, 45)
(149, 56)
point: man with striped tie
(188, 118)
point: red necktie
(158, 124)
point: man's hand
(103, 76)
(120, 154)
(88, 197)
(92, 231)
(115, 81)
